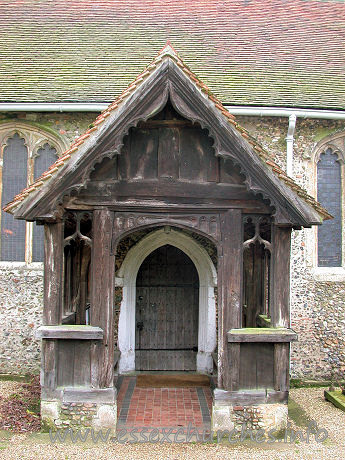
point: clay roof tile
(169, 51)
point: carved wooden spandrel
(124, 222)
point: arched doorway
(126, 278)
(167, 307)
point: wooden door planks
(167, 310)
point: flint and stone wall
(78, 416)
(21, 299)
(233, 419)
(317, 299)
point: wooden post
(280, 277)
(102, 298)
(229, 298)
(281, 366)
(53, 270)
(52, 307)
(280, 301)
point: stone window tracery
(329, 195)
(329, 191)
(25, 153)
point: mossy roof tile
(167, 52)
(252, 53)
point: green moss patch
(336, 398)
(301, 383)
(298, 414)
(15, 378)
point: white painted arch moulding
(127, 276)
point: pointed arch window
(14, 179)
(329, 194)
(25, 154)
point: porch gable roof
(258, 162)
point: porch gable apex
(168, 77)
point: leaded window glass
(14, 179)
(329, 195)
(25, 155)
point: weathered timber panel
(139, 157)
(52, 309)
(280, 277)
(229, 297)
(256, 366)
(65, 373)
(177, 152)
(105, 170)
(197, 159)
(167, 311)
(74, 364)
(167, 188)
(82, 363)
(53, 269)
(49, 363)
(168, 152)
(281, 366)
(102, 298)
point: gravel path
(38, 446)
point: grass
(298, 414)
(16, 378)
(300, 383)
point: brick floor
(162, 407)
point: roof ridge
(168, 51)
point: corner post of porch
(229, 301)
(280, 302)
(102, 299)
(52, 302)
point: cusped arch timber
(127, 275)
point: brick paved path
(162, 407)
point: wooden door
(167, 307)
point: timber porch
(167, 237)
